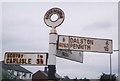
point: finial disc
(54, 17)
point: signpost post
(53, 23)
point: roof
(14, 67)
(46, 74)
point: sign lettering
(84, 44)
(47, 18)
(70, 55)
(25, 58)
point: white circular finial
(54, 17)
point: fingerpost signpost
(53, 18)
(64, 46)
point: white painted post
(52, 53)
(52, 47)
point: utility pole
(111, 64)
(110, 68)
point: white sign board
(70, 55)
(84, 44)
(26, 58)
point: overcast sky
(23, 29)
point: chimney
(46, 69)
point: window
(18, 74)
(24, 75)
(30, 76)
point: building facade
(15, 72)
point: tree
(85, 79)
(75, 79)
(106, 77)
(8, 76)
